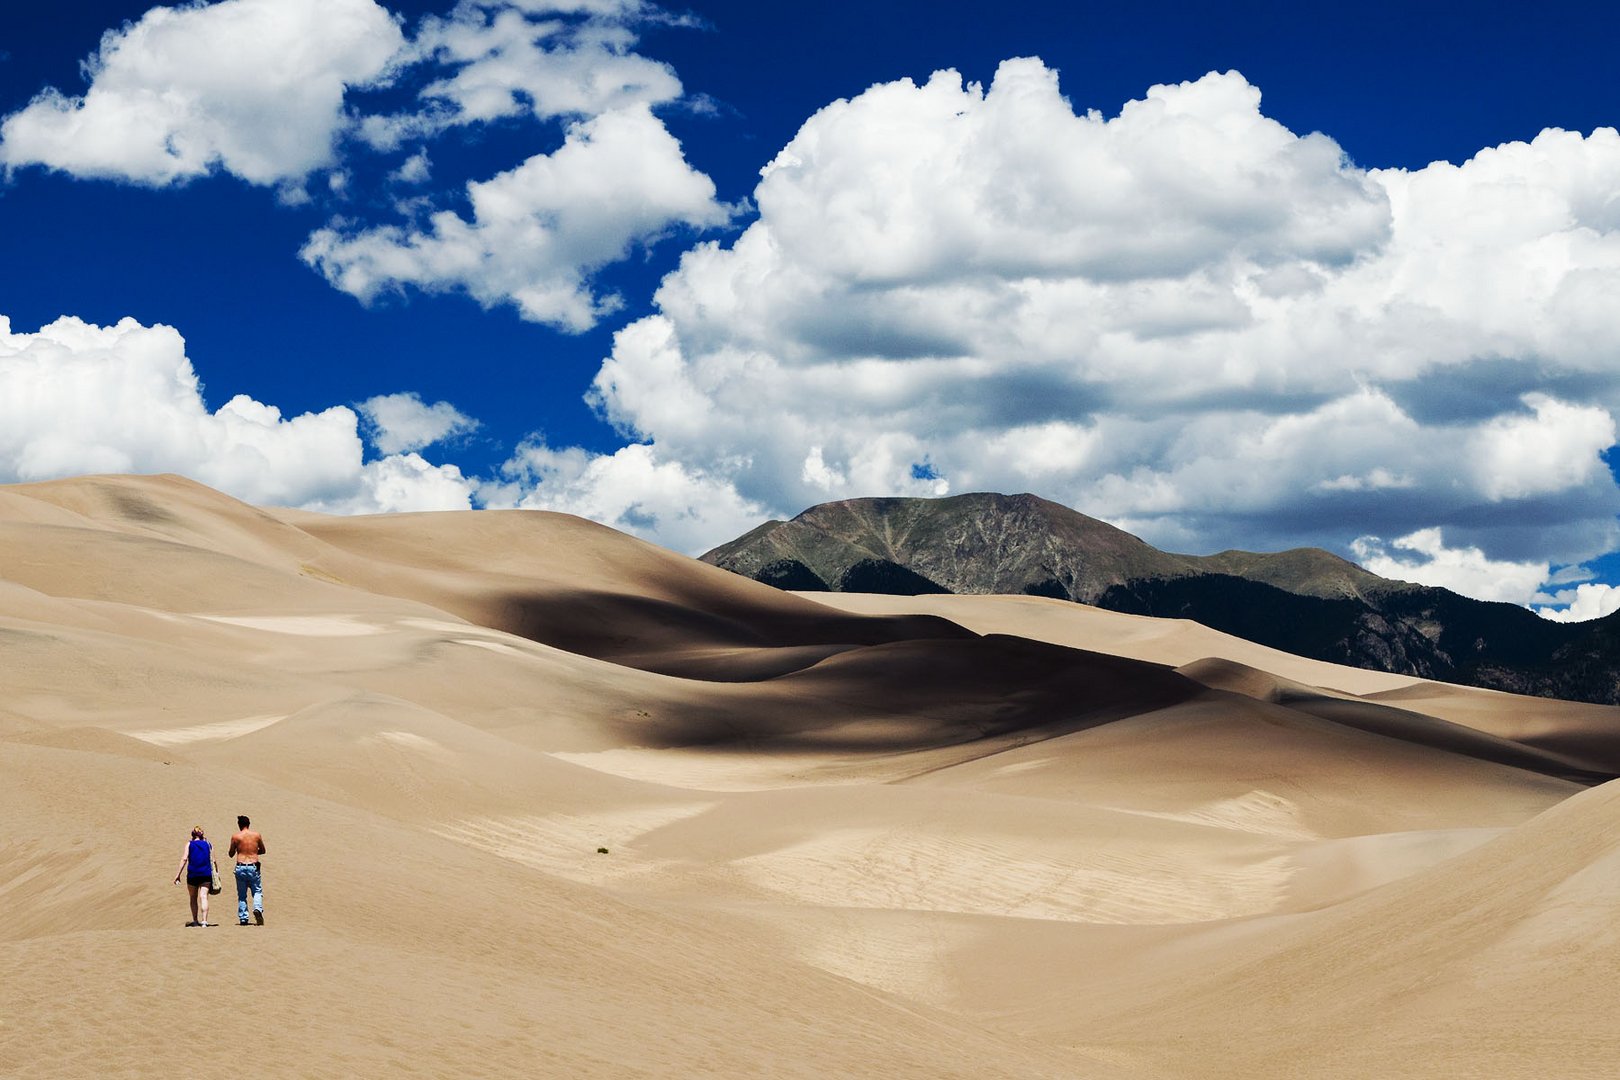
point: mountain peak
(978, 542)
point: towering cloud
(1184, 318)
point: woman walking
(198, 867)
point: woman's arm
(185, 861)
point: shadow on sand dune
(908, 695)
(672, 638)
(803, 678)
(800, 679)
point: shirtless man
(247, 846)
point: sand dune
(1163, 641)
(1488, 963)
(1405, 724)
(223, 729)
(1587, 734)
(543, 800)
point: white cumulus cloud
(1556, 447)
(630, 490)
(254, 87)
(415, 169)
(538, 231)
(79, 398)
(1580, 604)
(1424, 558)
(508, 64)
(402, 422)
(401, 483)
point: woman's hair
(196, 831)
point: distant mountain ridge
(1305, 600)
(990, 543)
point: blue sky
(1187, 313)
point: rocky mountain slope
(1307, 601)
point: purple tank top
(200, 859)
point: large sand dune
(845, 835)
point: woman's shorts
(199, 879)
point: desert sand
(844, 835)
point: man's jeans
(247, 879)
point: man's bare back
(247, 846)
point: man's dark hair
(242, 821)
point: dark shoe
(258, 917)
(193, 924)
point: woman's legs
(192, 889)
(202, 902)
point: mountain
(1306, 601)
